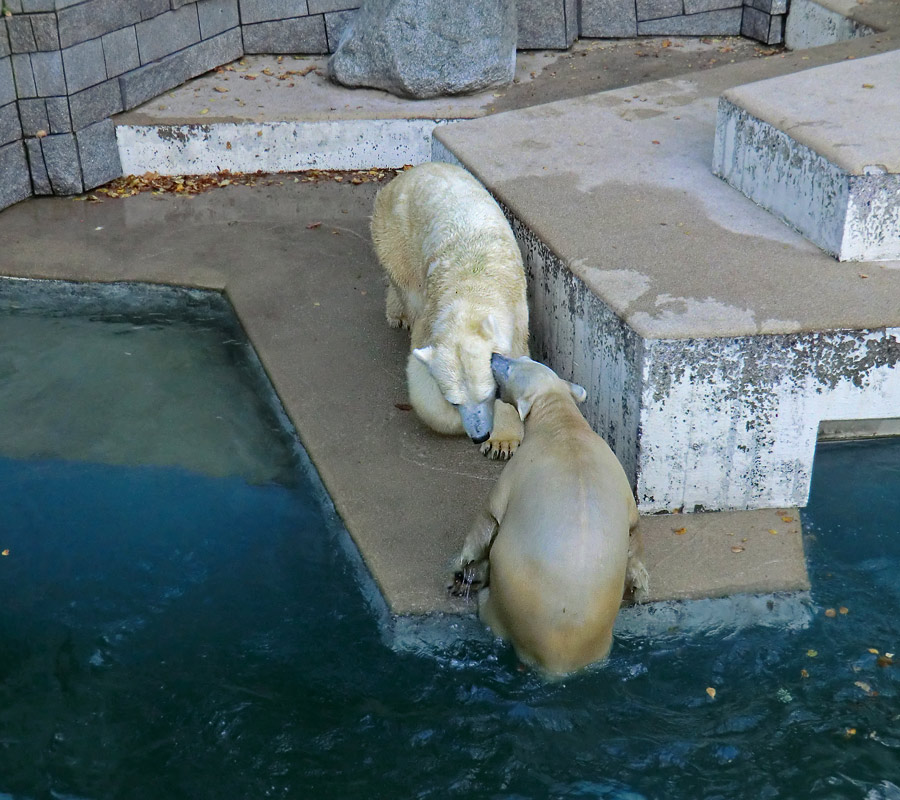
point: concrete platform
(275, 113)
(713, 340)
(820, 150)
(311, 300)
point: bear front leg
(395, 308)
(479, 539)
(507, 433)
(471, 564)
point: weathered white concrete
(273, 146)
(820, 150)
(813, 23)
(712, 339)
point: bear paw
(637, 581)
(398, 322)
(500, 449)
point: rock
(427, 48)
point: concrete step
(713, 340)
(813, 23)
(820, 150)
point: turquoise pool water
(191, 628)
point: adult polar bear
(558, 530)
(457, 281)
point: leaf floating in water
(850, 732)
(864, 686)
(711, 692)
(804, 673)
(844, 610)
(4, 552)
(830, 612)
(883, 661)
(873, 651)
(812, 653)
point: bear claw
(499, 450)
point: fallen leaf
(787, 519)
(850, 732)
(873, 651)
(804, 673)
(41, 134)
(679, 531)
(738, 549)
(221, 89)
(4, 552)
(204, 110)
(864, 686)
(830, 612)
(844, 610)
(313, 225)
(863, 275)
(655, 141)
(868, 86)
(773, 531)
(711, 691)
(403, 406)
(812, 653)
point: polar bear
(558, 531)
(456, 280)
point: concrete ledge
(677, 302)
(274, 147)
(831, 170)
(813, 23)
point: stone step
(820, 150)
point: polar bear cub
(558, 530)
(456, 280)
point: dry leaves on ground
(130, 185)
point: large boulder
(427, 48)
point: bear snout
(478, 420)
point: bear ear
(578, 392)
(523, 406)
(425, 354)
(490, 329)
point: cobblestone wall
(67, 66)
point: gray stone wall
(67, 66)
(757, 19)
